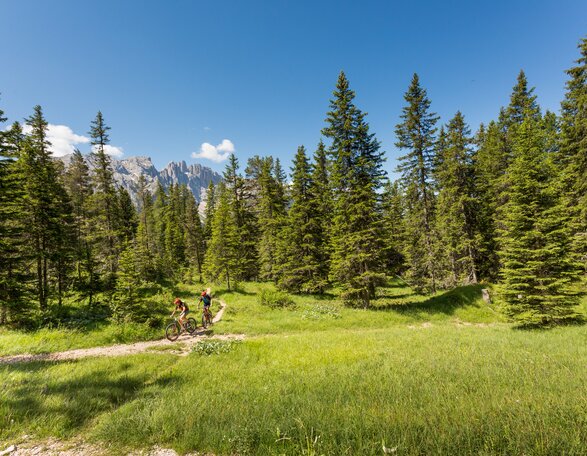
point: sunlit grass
(394, 305)
(440, 375)
(98, 333)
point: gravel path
(181, 346)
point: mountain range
(128, 171)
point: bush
(276, 299)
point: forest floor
(413, 374)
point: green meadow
(413, 375)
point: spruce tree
(46, 211)
(174, 234)
(522, 104)
(393, 227)
(573, 153)
(321, 202)
(416, 134)
(194, 236)
(301, 254)
(14, 274)
(538, 265)
(78, 185)
(487, 174)
(240, 201)
(126, 301)
(209, 211)
(457, 205)
(104, 201)
(145, 246)
(492, 159)
(356, 178)
(160, 209)
(271, 208)
(125, 220)
(223, 250)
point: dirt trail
(55, 447)
(180, 347)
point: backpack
(207, 300)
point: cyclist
(183, 308)
(207, 300)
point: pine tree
(538, 267)
(301, 254)
(416, 135)
(356, 177)
(457, 205)
(223, 250)
(573, 153)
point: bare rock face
(128, 171)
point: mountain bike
(206, 317)
(174, 329)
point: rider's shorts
(184, 313)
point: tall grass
(79, 333)
(436, 391)
(423, 376)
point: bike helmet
(204, 293)
(177, 301)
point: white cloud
(111, 150)
(217, 153)
(62, 138)
(63, 141)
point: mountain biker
(183, 308)
(207, 300)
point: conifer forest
(502, 203)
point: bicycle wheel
(172, 331)
(191, 325)
(204, 321)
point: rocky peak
(128, 171)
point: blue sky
(172, 75)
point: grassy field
(96, 333)
(422, 376)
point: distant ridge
(128, 171)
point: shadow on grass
(445, 303)
(67, 404)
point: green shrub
(275, 299)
